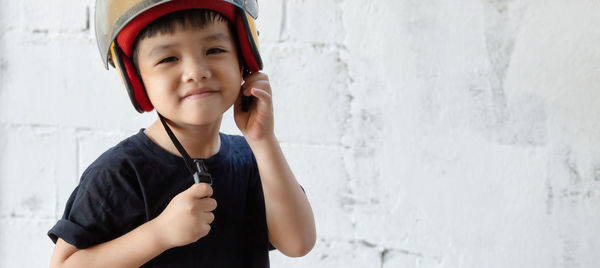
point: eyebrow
(212, 37)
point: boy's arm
(130, 250)
(290, 218)
(186, 219)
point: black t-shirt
(134, 181)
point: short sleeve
(105, 205)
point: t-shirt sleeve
(104, 206)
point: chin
(203, 118)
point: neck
(198, 141)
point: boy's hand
(188, 216)
(257, 123)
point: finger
(201, 190)
(207, 204)
(262, 84)
(261, 94)
(210, 217)
(246, 91)
(204, 229)
(255, 77)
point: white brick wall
(426, 133)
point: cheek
(236, 84)
(231, 79)
(152, 89)
(157, 84)
(159, 93)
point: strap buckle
(201, 175)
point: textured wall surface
(427, 133)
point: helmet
(118, 22)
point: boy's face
(193, 75)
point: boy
(179, 193)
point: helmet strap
(196, 167)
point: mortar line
(283, 23)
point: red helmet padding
(249, 57)
(127, 35)
(138, 88)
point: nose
(195, 70)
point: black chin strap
(196, 167)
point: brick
(45, 16)
(66, 85)
(269, 21)
(24, 243)
(314, 21)
(320, 170)
(310, 105)
(400, 258)
(432, 203)
(332, 253)
(37, 162)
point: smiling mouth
(197, 94)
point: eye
(215, 51)
(168, 59)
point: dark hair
(193, 18)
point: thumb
(200, 190)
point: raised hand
(257, 123)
